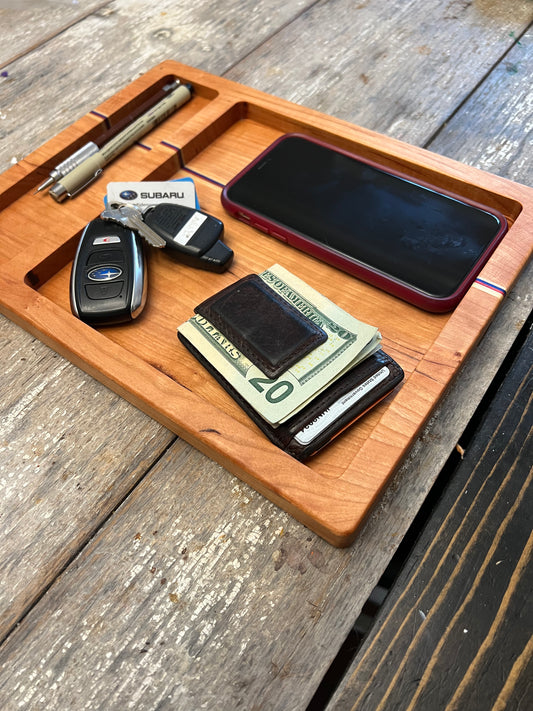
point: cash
(349, 342)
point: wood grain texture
(406, 71)
(30, 23)
(456, 630)
(142, 361)
(59, 477)
(291, 680)
(89, 62)
(213, 585)
(475, 136)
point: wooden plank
(465, 590)
(201, 586)
(67, 78)
(61, 475)
(475, 136)
(30, 23)
(408, 68)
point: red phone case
(371, 275)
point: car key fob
(192, 236)
(108, 279)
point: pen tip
(44, 185)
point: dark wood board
(456, 630)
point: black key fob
(192, 236)
(108, 279)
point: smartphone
(406, 237)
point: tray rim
(45, 319)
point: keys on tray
(188, 235)
(108, 279)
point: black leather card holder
(337, 407)
(268, 330)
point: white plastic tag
(178, 192)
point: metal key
(131, 217)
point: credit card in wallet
(331, 412)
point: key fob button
(106, 239)
(104, 291)
(105, 256)
(184, 229)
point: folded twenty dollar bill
(347, 342)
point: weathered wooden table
(136, 572)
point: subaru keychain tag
(145, 193)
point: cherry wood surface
(212, 138)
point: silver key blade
(113, 214)
(131, 217)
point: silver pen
(69, 164)
(82, 176)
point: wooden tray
(211, 138)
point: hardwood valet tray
(210, 139)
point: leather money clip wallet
(274, 335)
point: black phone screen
(418, 236)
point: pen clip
(91, 180)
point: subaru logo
(128, 195)
(104, 273)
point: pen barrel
(145, 123)
(81, 176)
(76, 159)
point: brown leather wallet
(274, 335)
(268, 330)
